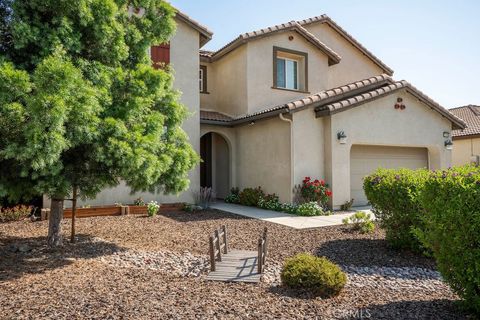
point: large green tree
(81, 108)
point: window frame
(301, 55)
(203, 80)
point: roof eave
(205, 33)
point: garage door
(366, 159)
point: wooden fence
(217, 248)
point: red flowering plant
(316, 190)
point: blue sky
(435, 45)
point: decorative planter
(114, 210)
(94, 211)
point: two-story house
(305, 98)
(298, 99)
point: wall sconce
(342, 137)
(446, 134)
(448, 144)
(252, 123)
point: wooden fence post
(225, 241)
(212, 254)
(260, 258)
(217, 236)
(265, 245)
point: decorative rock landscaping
(142, 268)
(177, 264)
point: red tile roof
(289, 26)
(214, 116)
(299, 27)
(471, 115)
(340, 99)
(205, 34)
(357, 100)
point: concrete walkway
(289, 220)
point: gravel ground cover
(133, 267)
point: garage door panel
(366, 159)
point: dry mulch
(72, 282)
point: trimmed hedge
(394, 196)
(316, 274)
(452, 229)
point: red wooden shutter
(160, 55)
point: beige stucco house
(466, 143)
(298, 99)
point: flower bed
(314, 199)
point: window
(202, 79)
(287, 73)
(289, 69)
(160, 55)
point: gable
(328, 31)
(387, 91)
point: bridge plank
(236, 266)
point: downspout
(292, 154)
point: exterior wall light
(446, 134)
(448, 144)
(342, 137)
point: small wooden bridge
(236, 265)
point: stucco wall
(308, 146)
(463, 150)
(378, 123)
(263, 157)
(261, 95)
(354, 65)
(184, 58)
(227, 84)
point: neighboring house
(466, 146)
(299, 99)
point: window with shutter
(160, 55)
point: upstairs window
(290, 69)
(160, 55)
(287, 73)
(202, 79)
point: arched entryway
(215, 166)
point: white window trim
(286, 74)
(200, 79)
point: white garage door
(366, 159)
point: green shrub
(251, 196)
(360, 221)
(139, 202)
(289, 208)
(15, 213)
(234, 196)
(152, 208)
(394, 196)
(452, 229)
(311, 209)
(270, 202)
(316, 274)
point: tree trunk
(55, 223)
(74, 211)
